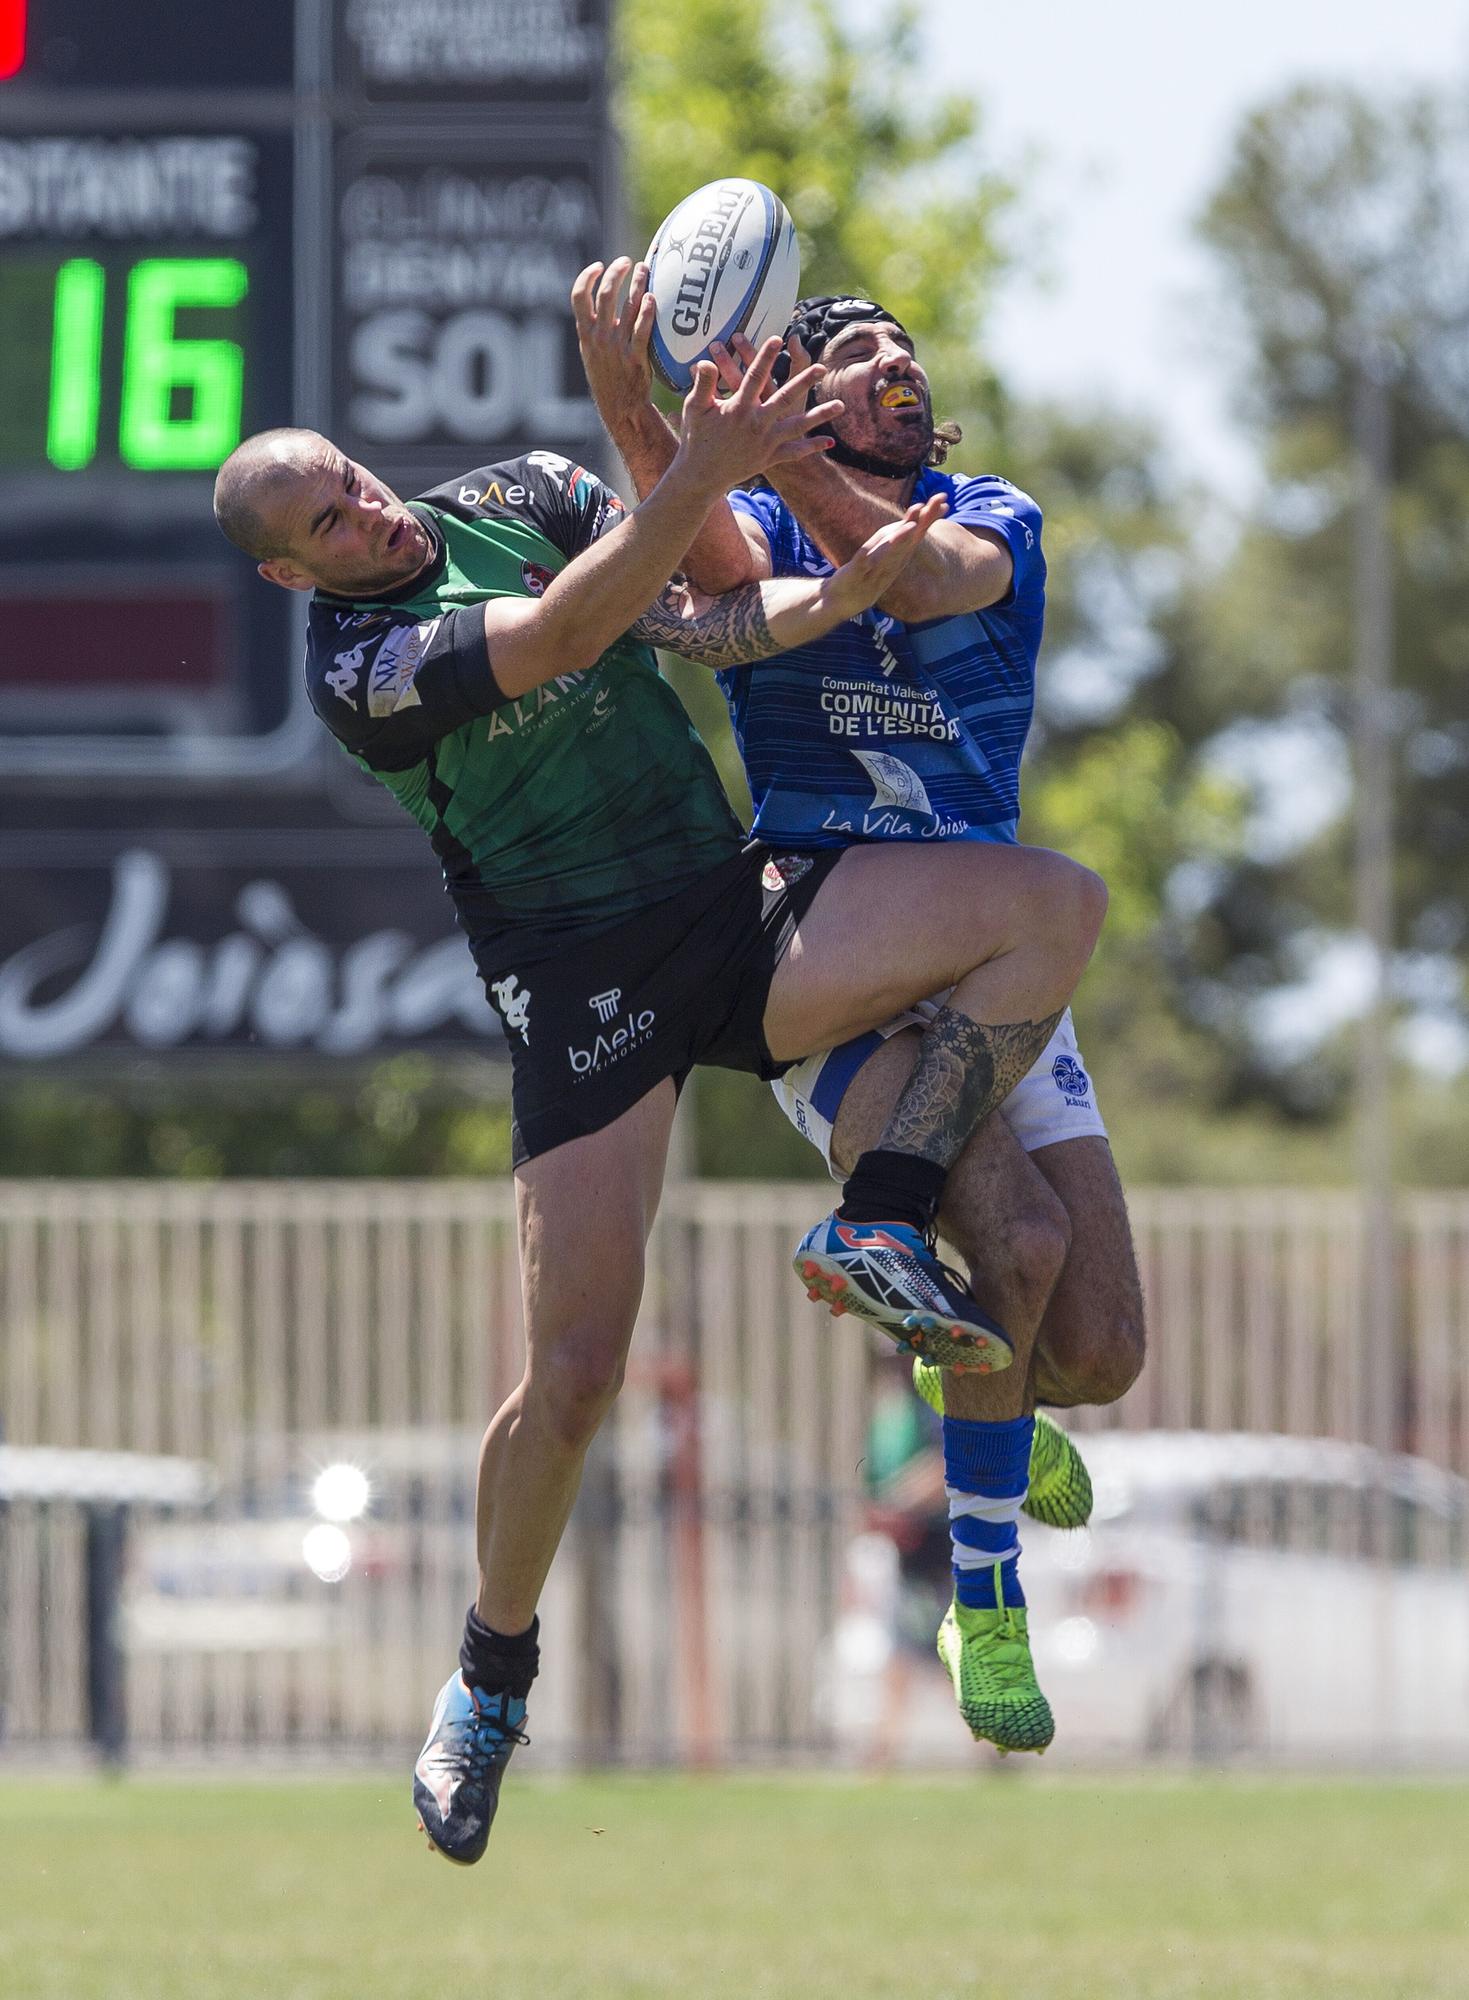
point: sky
(1127, 111)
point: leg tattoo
(965, 1068)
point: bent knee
(1103, 1365)
(1063, 912)
(1084, 907)
(573, 1385)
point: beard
(867, 448)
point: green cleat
(987, 1654)
(1060, 1491)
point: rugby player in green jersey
(485, 651)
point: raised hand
(613, 333)
(755, 428)
(734, 358)
(871, 572)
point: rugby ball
(726, 261)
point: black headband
(817, 322)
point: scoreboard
(356, 214)
(148, 231)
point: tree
(1339, 227)
(884, 176)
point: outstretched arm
(959, 568)
(779, 613)
(603, 591)
(613, 334)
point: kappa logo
(513, 1001)
(349, 666)
(552, 464)
(1071, 1080)
(604, 1005)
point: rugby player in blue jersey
(908, 724)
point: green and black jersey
(563, 811)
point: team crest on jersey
(894, 783)
(536, 577)
(1071, 1079)
(781, 873)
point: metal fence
(695, 1613)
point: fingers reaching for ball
(882, 558)
(737, 437)
(613, 333)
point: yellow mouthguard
(899, 397)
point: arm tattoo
(965, 1069)
(730, 632)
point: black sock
(496, 1663)
(893, 1187)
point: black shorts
(593, 1025)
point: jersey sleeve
(565, 502)
(1002, 509)
(388, 685)
(766, 510)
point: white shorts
(1053, 1101)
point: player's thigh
(584, 1211)
(895, 922)
(1094, 1324)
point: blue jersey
(886, 731)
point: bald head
(257, 482)
(316, 520)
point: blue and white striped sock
(986, 1473)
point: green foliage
(1340, 227)
(405, 1116)
(882, 172)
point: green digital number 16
(155, 364)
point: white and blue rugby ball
(726, 261)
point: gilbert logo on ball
(726, 261)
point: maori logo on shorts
(1071, 1080)
(513, 1001)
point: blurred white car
(1243, 1593)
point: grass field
(1063, 1889)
